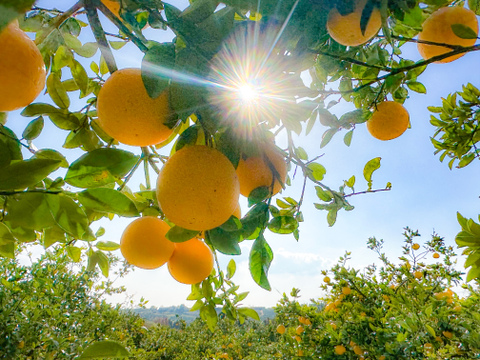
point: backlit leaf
(104, 349)
(463, 31)
(260, 258)
(178, 234)
(105, 200)
(369, 168)
(22, 174)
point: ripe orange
(113, 6)
(340, 349)
(436, 255)
(128, 114)
(22, 70)
(143, 243)
(389, 121)
(191, 261)
(281, 329)
(198, 188)
(299, 330)
(326, 279)
(437, 28)
(254, 171)
(346, 29)
(357, 350)
(238, 212)
(418, 274)
(298, 338)
(346, 290)
(416, 246)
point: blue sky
(425, 194)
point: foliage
(55, 196)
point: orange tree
(387, 311)
(210, 87)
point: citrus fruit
(299, 330)
(437, 28)
(346, 29)
(340, 349)
(418, 274)
(143, 243)
(389, 121)
(128, 114)
(281, 329)
(255, 171)
(447, 334)
(22, 70)
(113, 6)
(357, 350)
(198, 188)
(191, 261)
(346, 290)
(436, 255)
(416, 246)
(326, 279)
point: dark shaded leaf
(22, 174)
(178, 234)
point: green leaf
(100, 167)
(332, 216)
(254, 220)
(369, 168)
(56, 91)
(68, 215)
(107, 245)
(7, 242)
(104, 349)
(74, 253)
(327, 136)
(157, 65)
(80, 76)
(474, 5)
(29, 210)
(24, 173)
(258, 195)
(33, 129)
(251, 313)
(209, 315)
(178, 234)
(231, 268)
(301, 153)
(322, 194)
(103, 263)
(417, 87)
(317, 171)
(473, 273)
(105, 200)
(463, 31)
(466, 160)
(347, 139)
(225, 241)
(261, 257)
(10, 10)
(9, 147)
(40, 109)
(430, 330)
(283, 225)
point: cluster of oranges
(390, 119)
(198, 188)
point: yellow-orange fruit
(346, 29)
(416, 246)
(255, 171)
(143, 243)
(418, 274)
(340, 350)
(22, 70)
(128, 114)
(299, 330)
(357, 350)
(191, 261)
(113, 6)
(198, 188)
(389, 121)
(437, 28)
(346, 290)
(436, 255)
(281, 329)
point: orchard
(208, 122)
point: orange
(340, 349)
(437, 28)
(22, 70)
(113, 6)
(237, 212)
(143, 243)
(281, 329)
(254, 171)
(447, 334)
(357, 350)
(198, 188)
(299, 330)
(416, 246)
(128, 114)
(326, 279)
(191, 261)
(389, 121)
(346, 290)
(346, 29)
(418, 274)
(436, 255)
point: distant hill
(171, 314)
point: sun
(247, 93)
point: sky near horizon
(425, 194)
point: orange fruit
(22, 70)
(346, 290)
(416, 246)
(198, 188)
(447, 334)
(438, 28)
(254, 171)
(357, 350)
(299, 330)
(281, 329)
(143, 243)
(326, 279)
(298, 338)
(436, 255)
(428, 347)
(389, 121)
(418, 274)
(128, 114)
(346, 29)
(237, 212)
(191, 261)
(113, 6)
(340, 349)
